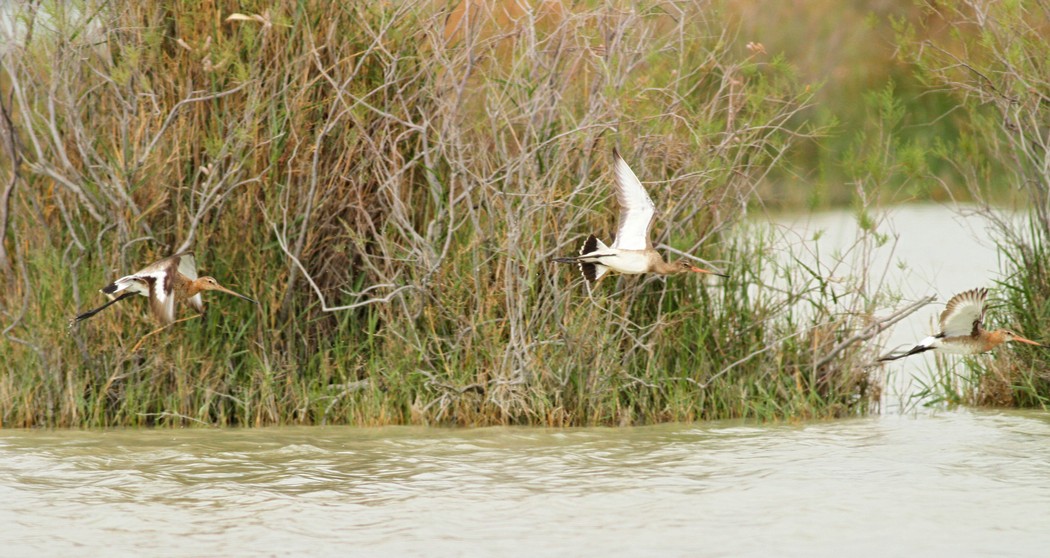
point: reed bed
(390, 181)
(992, 60)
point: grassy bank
(390, 182)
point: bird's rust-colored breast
(182, 286)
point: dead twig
(875, 328)
(160, 329)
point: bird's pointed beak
(1029, 341)
(238, 295)
(695, 269)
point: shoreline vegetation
(997, 71)
(391, 181)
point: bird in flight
(632, 251)
(962, 329)
(165, 282)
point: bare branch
(194, 97)
(317, 290)
(876, 327)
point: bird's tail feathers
(111, 289)
(592, 272)
(591, 245)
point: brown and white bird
(165, 282)
(632, 250)
(962, 329)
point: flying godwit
(962, 330)
(165, 282)
(632, 251)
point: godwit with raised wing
(962, 330)
(165, 282)
(632, 251)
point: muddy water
(962, 483)
(922, 482)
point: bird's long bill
(695, 269)
(238, 295)
(1029, 341)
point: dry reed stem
(158, 330)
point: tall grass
(390, 181)
(992, 60)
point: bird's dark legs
(914, 351)
(89, 313)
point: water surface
(961, 482)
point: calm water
(905, 483)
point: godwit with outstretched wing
(632, 251)
(165, 282)
(962, 329)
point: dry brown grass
(391, 183)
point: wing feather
(157, 282)
(127, 283)
(183, 261)
(964, 313)
(187, 265)
(162, 299)
(636, 208)
(196, 303)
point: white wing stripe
(163, 301)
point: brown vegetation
(390, 180)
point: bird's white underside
(628, 263)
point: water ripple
(901, 485)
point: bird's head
(1008, 336)
(210, 284)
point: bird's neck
(995, 338)
(658, 265)
(191, 287)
